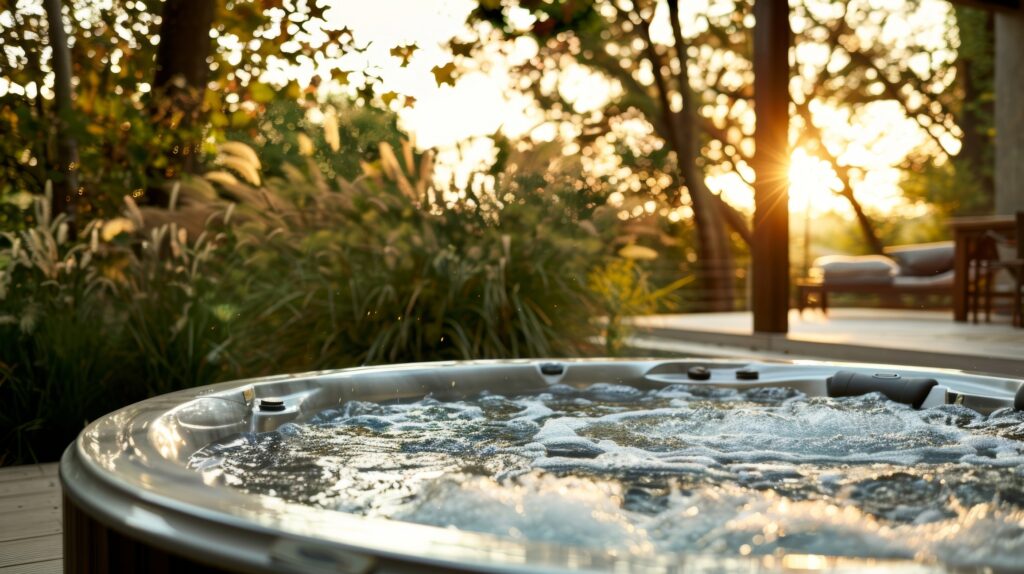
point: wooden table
(969, 237)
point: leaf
(409, 102)
(261, 93)
(388, 97)
(444, 74)
(463, 49)
(340, 76)
(239, 119)
(331, 131)
(218, 119)
(633, 251)
(404, 52)
(306, 146)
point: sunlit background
(457, 119)
(481, 97)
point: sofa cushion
(924, 259)
(944, 279)
(855, 270)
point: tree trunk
(714, 254)
(184, 43)
(179, 80)
(66, 190)
(718, 263)
(734, 218)
(867, 227)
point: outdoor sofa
(920, 270)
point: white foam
(687, 469)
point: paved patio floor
(924, 338)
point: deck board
(29, 502)
(29, 550)
(45, 567)
(29, 486)
(30, 520)
(28, 471)
(30, 524)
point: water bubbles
(677, 469)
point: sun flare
(812, 182)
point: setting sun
(812, 183)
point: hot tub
(132, 502)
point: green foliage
(359, 130)
(92, 324)
(302, 273)
(382, 269)
(623, 289)
(951, 188)
(835, 234)
(977, 47)
(48, 341)
(131, 136)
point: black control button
(552, 368)
(271, 405)
(698, 373)
(747, 375)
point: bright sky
(451, 119)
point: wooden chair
(999, 252)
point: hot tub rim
(82, 477)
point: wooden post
(770, 248)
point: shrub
(91, 324)
(383, 269)
(622, 288)
(291, 274)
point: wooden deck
(30, 520)
(908, 337)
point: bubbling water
(678, 469)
